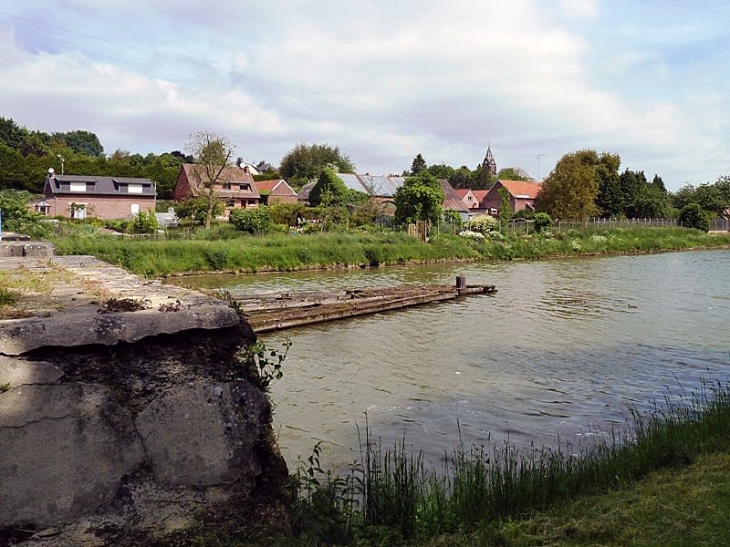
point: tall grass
(392, 489)
(221, 249)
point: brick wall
(103, 207)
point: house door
(135, 208)
(79, 211)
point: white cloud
(382, 82)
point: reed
(477, 488)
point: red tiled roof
(522, 188)
(277, 187)
(480, 194)
(462, 192)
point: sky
(383, 80)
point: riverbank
(664, 480)
(247, 254)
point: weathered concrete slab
(63, 452)
(22, 248)
(18, 372)
(73, 301)
(201, 435)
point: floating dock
(284, 310)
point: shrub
(253, 221)
(483, 224)
(197, 208)
(468, 234)
(542, 222)
(693, 216)
(286, 213)
(144, 223)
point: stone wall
(120, 439)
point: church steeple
(489, 165)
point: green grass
(223, 249)
(672, 507)
(391, 495)
(252, 254)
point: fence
(720, 225)
(521, 226)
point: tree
(505, 207)
(419, 198)
(569, 192)
(329, 190)
(610, 199)
(82, 142)
(509, 173)
(693, 216)
(11, 134)
(462, 178)
(441, 171)
(305, 162)
(417, 165)
(212, 153)
(482, 178)
(658, 183)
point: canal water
(556, 356)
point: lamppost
(60, 157)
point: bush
(197, 208)
(468, 234)
(542, 222)
(286, 213)
(254, 221)
(483, 224)
(693, 216)
(144, 223)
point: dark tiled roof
(95, 186)
(452, 201)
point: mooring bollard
(460, 282)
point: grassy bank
(663, 480)
(293, 252)
(497, 495)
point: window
(135, 208)
(226, 185)
(134, 189)
(78, 187)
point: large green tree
(418, 164)
(82, 142)
(212, 153)
(569, 192)
(329, 190)
(305, 162)
(419, 198)
(610, 199)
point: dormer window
(77, 187)
(134, 189)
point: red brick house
(276, 191)
(467, 196)
(79, 196)
(235, 186)
(522, 196)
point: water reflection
(563, 347)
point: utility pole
(537, 157)
(60, 157)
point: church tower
(489, 165)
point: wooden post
(460, 282)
